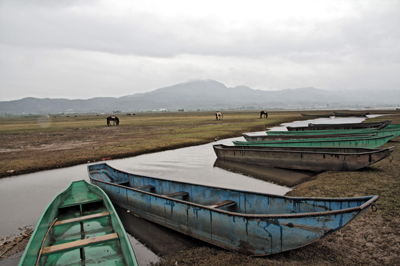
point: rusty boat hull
(310, 159)
(242, 221)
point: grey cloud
(146, 35)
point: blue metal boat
(246, 222)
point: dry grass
(29, 144)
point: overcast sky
(80, 49)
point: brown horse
(263, 113)
(114, 119)
(219, 115)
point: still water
(23, 198)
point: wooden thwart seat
(177, 194)
(82, 218)
(225, 203)
(79, 243)
(72, 201)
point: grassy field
(31, 144)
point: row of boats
(338, 114)
(336, 147)
(81, 226)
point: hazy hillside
(206, 95)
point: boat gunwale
(311, 136)
(382, 124)
(362, 131)
(366, 204)
(314, 140)
(263, 148)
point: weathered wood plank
(79, 243)
(82, 218)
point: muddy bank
(12, 247)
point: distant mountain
(206, 95)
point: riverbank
(370, 239)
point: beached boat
(326, 116)
(302, 136)
(246, 222)
(311, 126)
(371, 142)
(79, 227)
(311, 159)
(390, 129)
(338, 114)
(392, 126)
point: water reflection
(159, 239)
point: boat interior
(82, 232)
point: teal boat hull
(242, 221)
(391, 129)
(79, 227)
(310, 159)
(359, 142)
(317, 127)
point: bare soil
(14, 244)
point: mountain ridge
(204, 95)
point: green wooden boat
(79, 227)
(311, 126)
(390, 129)
(302, 136)
(338, 114)
(361, 142)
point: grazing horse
(219, 115)
(114, 119)
(263, 113)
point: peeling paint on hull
(254, 224)
(311, 159)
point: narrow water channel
(23, 198)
